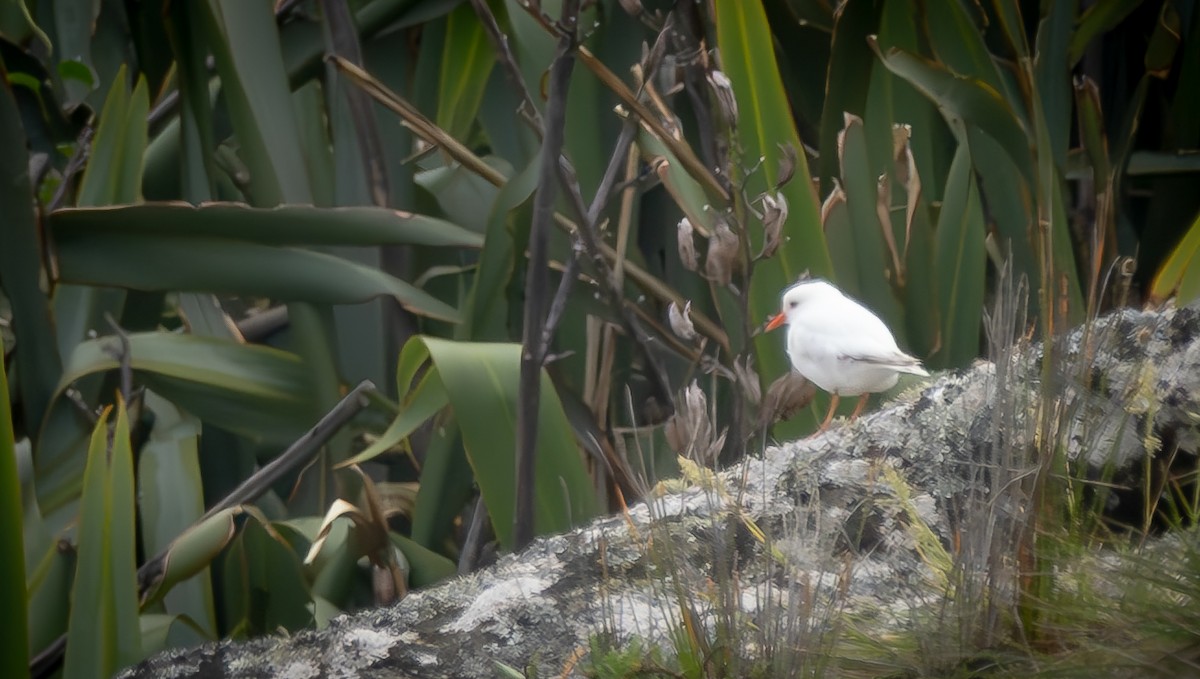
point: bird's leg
(862, 403)
(828, 417)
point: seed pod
(722, 254)
(775, 214)
(787, 165)
(747, 379)
(681, 322)
(632, 7)
(785, 397)
(689, 431)
(687, 245)
(723, 88)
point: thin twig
(559, 305)
(533, 355)
(83, 148)
(610, 80)
(509, 63)
(125, 357)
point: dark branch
(537, 279)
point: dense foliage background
(221, 215)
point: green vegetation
(221, 215)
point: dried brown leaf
(687, 245)
(721, 259)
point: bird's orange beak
(775, 321)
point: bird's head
(797, 296)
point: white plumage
(839, 345)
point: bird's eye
(792, 305)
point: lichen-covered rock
(861, 514)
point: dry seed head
(681, 322)
(747, 378)
(723, 88)
(775, 214)
(687, 245)
(632, 7)
(787, 165)
(785, 397)
(722, 254)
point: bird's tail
(913, 369)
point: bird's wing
(853, 333)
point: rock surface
(858, 519)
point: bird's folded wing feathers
(897, 360)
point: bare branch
(534, 351)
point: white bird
(839, 345)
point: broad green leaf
(113, 175)
(1097, 19)
(14, 647)
(765, 122)
(467, 60)
(198, 171)
(1052, 77)
(425, 567)
(265, 587)
(957, 40)
(74, 23)
(49, 596)
(312, 340)
(960, 264)
(874, 268)
(254, 390)
(37, 361)
(850, 70)
(481, 382)
(1180, 273)
(446, 485)
(114, 171)
(967, 97)
(104, 634)
(243, 37)
(171, 494)
(487, 306)
(192, 551)
(161, 631)
(423, 402)
(284, 225)
(166, 263)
